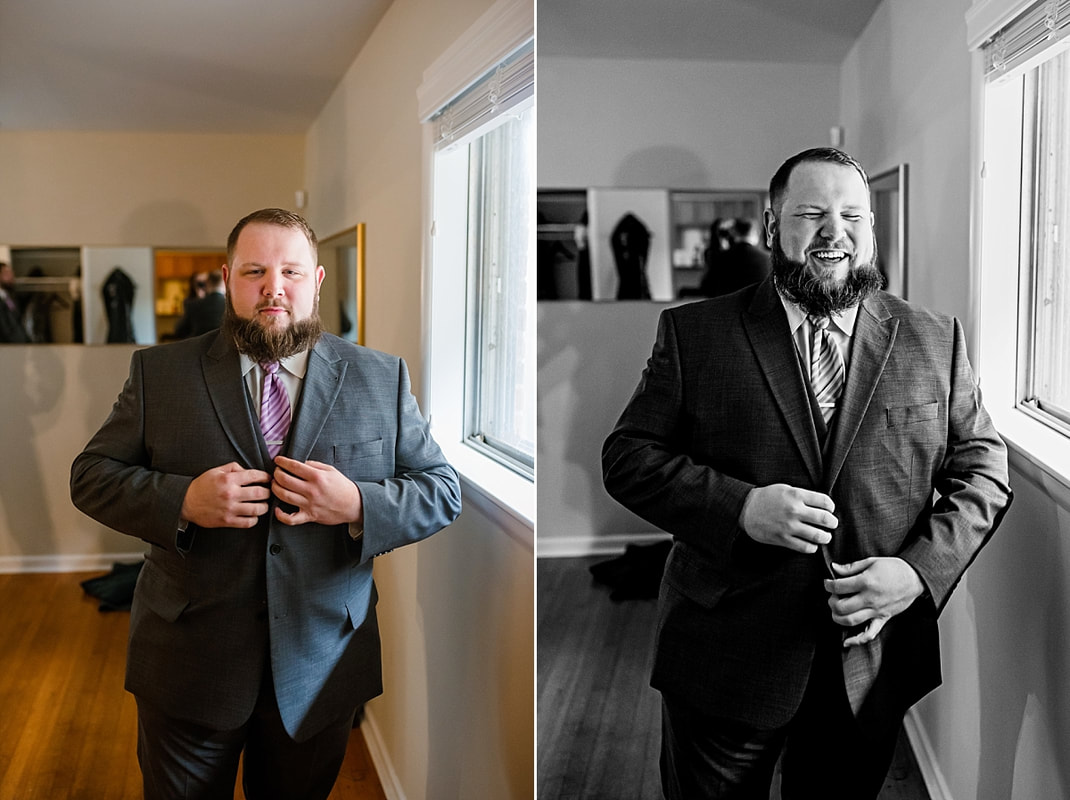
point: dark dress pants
(184, 761)
(824, 751)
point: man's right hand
(786, 516)
(229, 496)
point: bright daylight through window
(481, 335)
(1025, 225)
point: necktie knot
(821, 323)
(270, 367)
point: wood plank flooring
(68, 729)
(598, 719)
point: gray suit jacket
(722, 407)
(212, 606)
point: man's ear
(770, 228)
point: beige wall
(456, 718)
(110, 189)
(1000, 726)
(176, 190)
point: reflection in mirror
(888, 198)
(632, 244)
(46, 296)
(342, 292)
(145, 295)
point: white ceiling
(268, 66)
(785, 31)
(229, 66)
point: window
(1046, 211)
(501, 339)
(478, 105)
(1025, 223)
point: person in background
(11, 328)
(819, 451)
(744, 262)
(206, 313)
(198, 288)
(267, 466)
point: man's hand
(785, 516)
(320, 492)
(229, 496)
(871, 592)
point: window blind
(1041, 26)
(507, 85)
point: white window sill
(501, 494)
(1038, 452)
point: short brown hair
(779, 184)
(273, 216)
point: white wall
(677, 124)
(456, 719)
(642, 124)
(1000, 726)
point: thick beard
(823, 296)
(269, 343)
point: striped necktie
(826, 367)
(274, 408)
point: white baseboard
(384, 767)
(577, 546)
(572, 547)
(67, 563)
(926, 758)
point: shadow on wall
(1021, 598)
(33, 378)
(172, 224)
(663, 167)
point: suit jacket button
(276, 549)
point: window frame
(499, 491)
(1036, 446)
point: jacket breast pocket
(355, 454)
(910, 415)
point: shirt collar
(844, 321)
(296, 365)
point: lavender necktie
(274, 408)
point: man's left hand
(321, 493)
(871, 592)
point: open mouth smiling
(829, 255)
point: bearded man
(819, 452)
(266, 464)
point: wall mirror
(888, 199)
(631, 244)
(60, 292)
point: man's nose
(273, 286)
(833, 228)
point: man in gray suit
(253, 624)
(819, 451)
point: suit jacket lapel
(766, 326)
(221, 367)
(323, 382)
(873, 338)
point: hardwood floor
(598, 719)
(68, 729)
